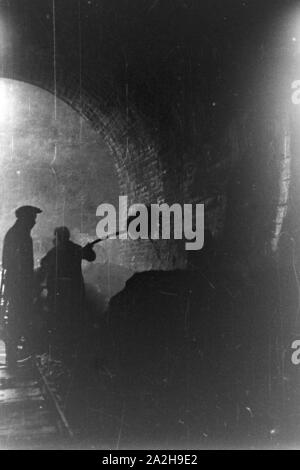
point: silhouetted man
(17, 262)
(61, 269)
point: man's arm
(88, 253)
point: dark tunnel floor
(108, 408)
(206, 366)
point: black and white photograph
(149, 227)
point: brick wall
(157, 162)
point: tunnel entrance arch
(145, 170)
(134, 151)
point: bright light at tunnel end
(5, 102)
(295, 97)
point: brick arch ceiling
(123, 130)
(136, 156)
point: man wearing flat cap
(17, 262)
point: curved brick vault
(134, 150)
(176, 134)
(145, 170)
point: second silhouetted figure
(62, 273)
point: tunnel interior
(164, 102)
(53, 159)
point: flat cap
(27, 211)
